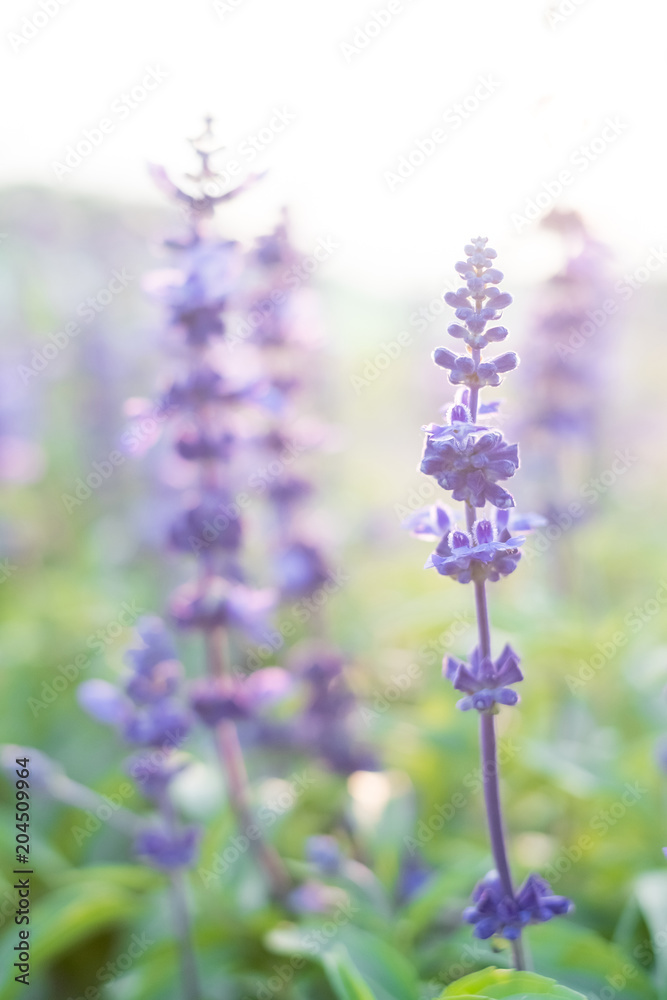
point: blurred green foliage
(585, 800)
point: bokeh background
(343, 114)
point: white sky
(556, 87)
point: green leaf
(651, 893)
(63, 919)
(504, 983)
(449, 883)
(388, 973)
(344, 978)
(579, 957)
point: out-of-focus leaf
(448, 884)
(135, 877)
(389, 974)
(585, 961)
(63, 919)
(495, 983)
(344, 978)
(651, 895)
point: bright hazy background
(561, 69)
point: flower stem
(230, 753)
(191, 990)
(489, 752)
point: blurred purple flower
(168, 848)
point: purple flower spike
(496, 913)
(485, 683)
(471, 460)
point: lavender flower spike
(470, 460)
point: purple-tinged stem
(488, 748)
(191, 990)
(230, 752)
(189, 975)
(487, 727)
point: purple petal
(506, 362)
(103, 701)
(444, 358)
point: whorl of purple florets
(197, 446)
(489, 553)
(464, 370)
(469, 460)
(485, 683)
(214, 699)
(496, 913)
(219, 602)
(207, 525)
(196, 292)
